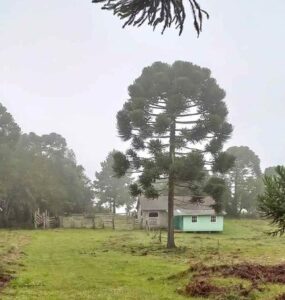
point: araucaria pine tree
(176, 121)
(272, 202)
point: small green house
(191, 222)
(189, 216)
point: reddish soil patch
(4, 280)
(202, 288)
(281, 297)
(254, 273)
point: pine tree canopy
(9, 130)
(155, 12)
(176, 123)
(110, 191)
(243, 180)
(38, 172)
(272, 202)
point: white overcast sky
(65, 66)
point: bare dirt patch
(281, 297)
(202, 288)
(4, 280)
(257, 275)
(253, 272)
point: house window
(153, 214)
(194, 219)
(213, 219)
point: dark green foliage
(136, 161)
(165, 12)
(216, 187)
(120, 164)
(137, 118)
(223, 162)
(138, 143)
(155, 147)
(163, 162)
(177, 114)
(151, 192)
(124, 125)
(135, 190)
(110, 191)
(190, 167)
(38, 172)
(10, 131)
(214, 146)
(188, 95)
(272, 202)
(162, 123)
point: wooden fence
(44, 221)
(100, 220)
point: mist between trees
(176, 122)
(38, 172)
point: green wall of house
(203, 223)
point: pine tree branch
(155, 12)
(183, 186)
(162, 137)
(190, 148)
(180, 153)
(153, 115)
(156, 106)
(195, 149)
(189, 115)
(210, 137)
(134, 172)
(186, 122)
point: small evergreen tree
(244, 180)
(272, 202)
(176, 122)
(111, 191)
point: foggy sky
(65, 67)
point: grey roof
(183, 205)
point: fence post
(44, 220)
(35, 220)
(47, 219)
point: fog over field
(66, 65)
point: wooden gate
(44, 221)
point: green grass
(11, 249)
(105, 264)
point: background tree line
(38, 172)
(176, 122)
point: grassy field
(103, 264)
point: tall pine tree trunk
(114, 206)
(170, 231)
(235, 198)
